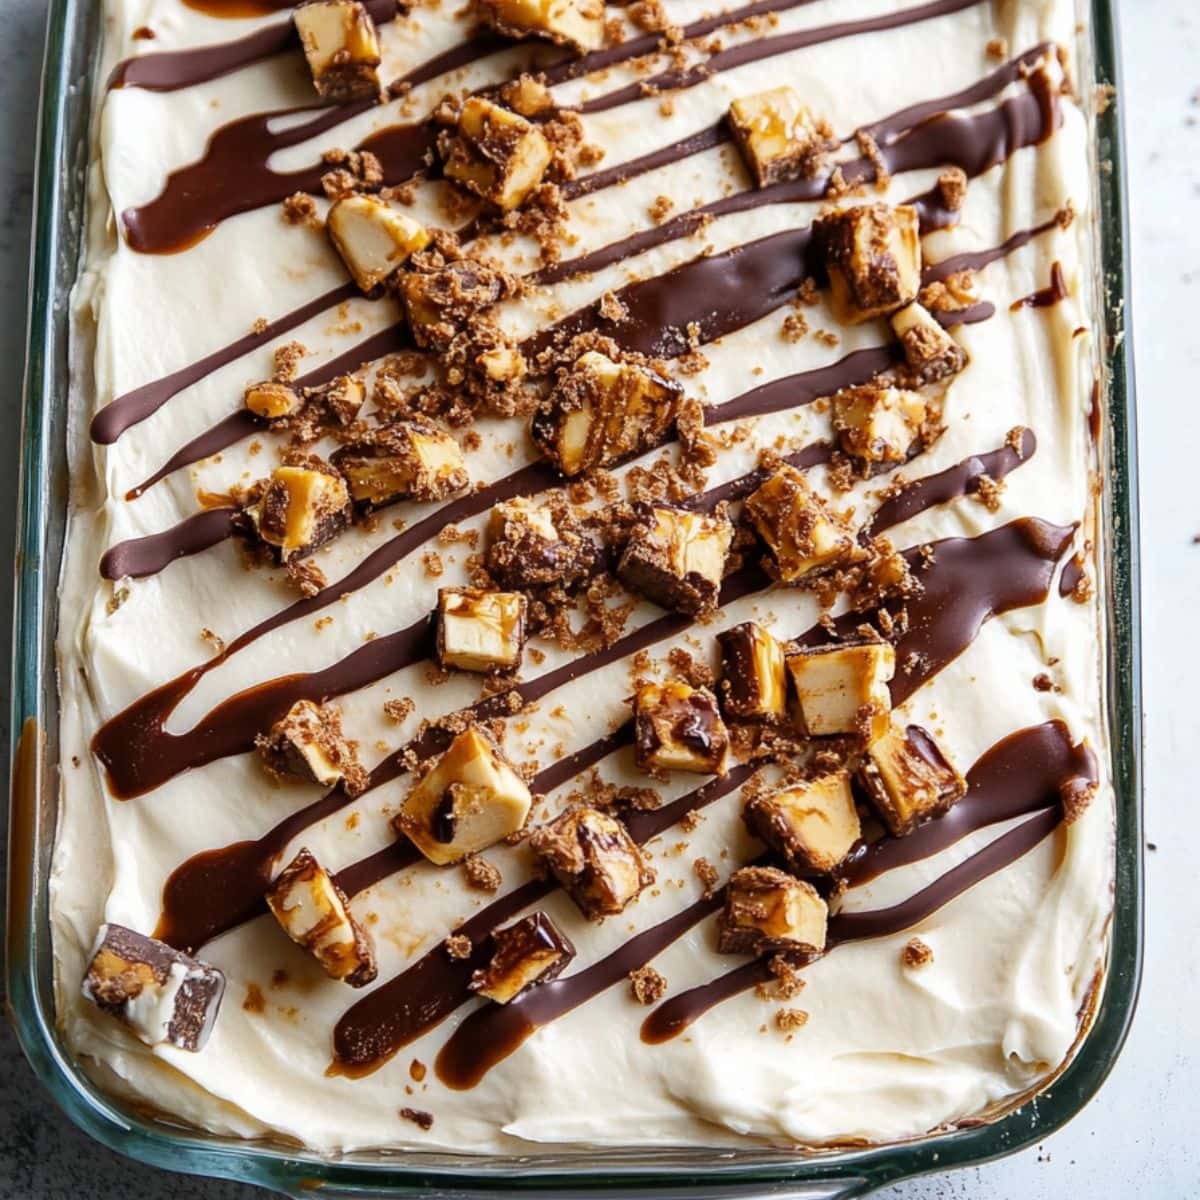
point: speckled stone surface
(1138, 1136)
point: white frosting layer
(888, 1052)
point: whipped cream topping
(888, 1051)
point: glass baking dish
(72, 36)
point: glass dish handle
(827, 1189)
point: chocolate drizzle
(148, 555)
(1048, 296)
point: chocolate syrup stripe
(194, 911)
(755, 51)
(139, 557)
(407, 1006)
(171, 70)
(962, 591)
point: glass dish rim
(29, 989)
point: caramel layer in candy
(480, 630)
(161, 994)
(471, 799)
(679, 728)
(802, 534)
(341, 47)
(532, 545)
(315, 914)
(778, 135)
(842, 688)
(812, 826)
(575, 23)
(877, 424)
(676, 557)
(528, 952)
(308, 744)
(592, 855)
(300, 509)
(412, 460)
(908, 779)
(872, 253)
(930, 352)
(273, 400)
(602, 411)
(373, 239)
(753, 683)
(768, 910)
(495, 153)
(441, 303)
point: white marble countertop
(1138, 1135)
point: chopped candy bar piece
(676, 557)
(768, 910)
(495, 153)
(801, 533)
(441, 303)
(778, 136)
(753, 676)
(811, 826)
(471, 799)
(160, 993)
(343, 397)
(528, 952)
(373, 238)
(931, 353)
(592, 855)
(575, 23)
(504, 364)
(341, 46)
(908, 779)
(536, 545)
(271, 400)
(480, 630)
(842, 688)
(413, 460)
(300, 509)
(315, 913)
(308, 744)
(878, 424)
(601, 412)
(679, 728)
(873, 256)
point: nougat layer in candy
(308, 744)
(411, 460)
(575, 23)
(778, 135)
(676, 557)
(341, 46)
(480, 630)
(495, 153)
(160, 993)
(812, 826)
(373, 239)
(842, 688)
(930, 352)
(679, 728)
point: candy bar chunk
(908, 779)
(342, 48)
(575, 23)
(300, 509)
(602, 411)
(768, 911)
(441, 303)
(812, 827)
(503, 364)
(307, 744)
(803, 536)
(471, 799)
(753, 683)
(161, 994)
(778, 136)
(315, 914)
(843, 688)
(480, 630)
(878, 424)
(679, 728)
(495, 153)
(413, 460)
(526, 953)
(373, 238)
(931, 353)
(677, 558)
(342, 397)
(873, 256)
(592, 855)
(534, 545)
(272, 400)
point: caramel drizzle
(194, 910)
(1048, 296)
(1027, 772)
